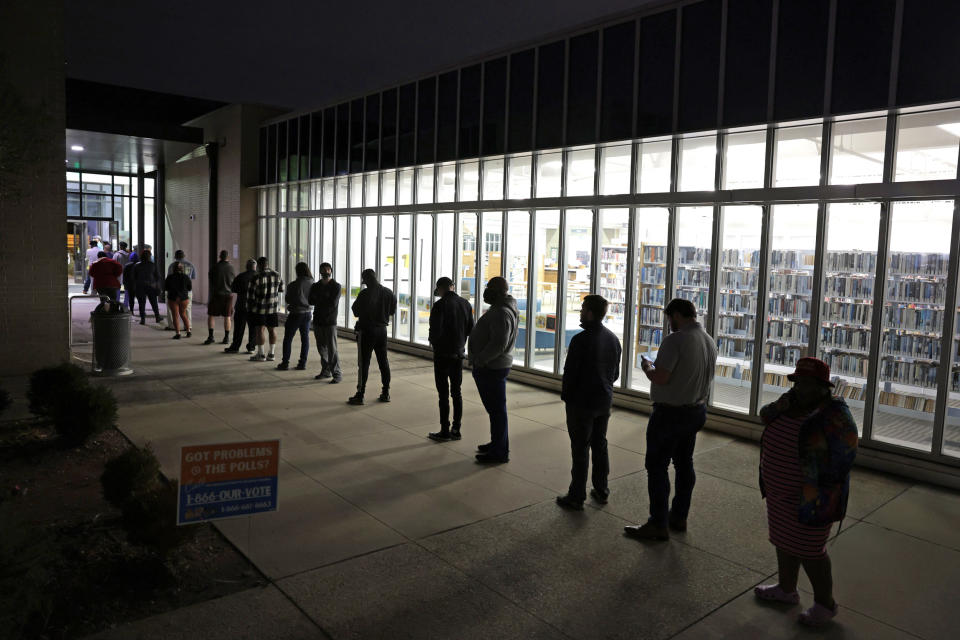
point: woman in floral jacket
(806, 453)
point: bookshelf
(651, 298)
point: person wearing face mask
(372, 308)
(325, 298)
(240, 287)
(680, 384)
(807, 449)
(491, 355)
(451, 321)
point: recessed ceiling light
(76, 147)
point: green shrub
(151, 519)
(48, 386)
(83, 412)
(5, 401)
(130, 475)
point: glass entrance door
(79, 235)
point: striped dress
(782, 479)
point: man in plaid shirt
(263, 303)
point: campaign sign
(227, 480)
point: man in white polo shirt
(681, 380)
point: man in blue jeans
(491, 354)
(681, 380)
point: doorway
(79, 234)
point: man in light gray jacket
(491, 355)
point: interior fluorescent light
(951, 127)
(76, 147)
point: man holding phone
(680, 384)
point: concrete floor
(382, 533)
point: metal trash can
(111, 338)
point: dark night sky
(301, 54)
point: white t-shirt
(690, 355)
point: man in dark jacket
(221, 298)
(147, 283)
(325, 298)
(298, 317)
(592, 366)
(451, 321)
(240, 287)
(373, 308)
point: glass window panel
(550, 86)
(470, 116)
(305, 197)
(97, 183)
(424, 276)
(329, 193)
(97, 206)
(694, 244)
(326, 244)
(516, 264)
(491, 251)
(520, 177)
(615, 169)
(469, 187)
(344, 316)
(356, 191)
(520, 101)
(73, 183)
(447, 182)
(370, 238)
(581, 105)
(793, 245)
(495, 105)
(737, 287)
(580, 171)
(317, 187)
(915, 293)
(425, 184)
(343, 189)
(148, 187)
(405, 187)
(927, 146)
(280, 250)
(388, 188)
(612, 277)
(797, 156)
(387, 256)
(446, 243)
(371, 183)
(121, 184)
(272, 201)
(467, 259)
(149, 223)
(857, 151)
(493, 179)
(698, 163)
(617, 90)
(549, 174)
(288, 198)
(403, 276)
(655, 166)
(745, 156)
(290, 253)
(388, 133)
(546, 259)
(314, 240)
(651, 241)
(849, 270)
(578, 247)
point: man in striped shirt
(263, 304)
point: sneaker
(570, 503)
(251, 348)
(490, 458)
(271, 357)
(775, 593)
(188, 333)
(336, 381)
(209, 341)
(167, 328)
(357, 399)
(142, 321)
(283, 366)
(675, 523)
(483, 448)
(158, 319)
(818, 615)
(323, 375)
(231, 350)
(176, 337)
(440, 436)
(649, 531)
(385, 396)
(599, 497)
(257, 358)
(300, 367)
(455, 433)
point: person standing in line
(372, 308)
(451, 321)
(147, 283)
(179, 257)
(108, 249)
(129, 284)
(240, 289)
(92, 256)
(263, 305)
(298, 317)
(681, 380)
(106, 274)
(491, 355)
(325, 298)
(221, 298)
(177, 287)
(121, 255)
(807, 449)
(591, 368)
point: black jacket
(178, 286)
(325, 298)
(128, 280)
(241, 286)
(451, 321)
(374, 306)
(592, 366)
(146, 276)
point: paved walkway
(382, 533)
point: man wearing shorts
(263, 304)
(221, 298)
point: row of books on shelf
(843, 388)
(736, 279)
(740, 325)
(907, 401)
(700, 299)
(737, 302)
(846, 287)
(733, 372)
(788, 331)
(693, 255)
(847, 312)
(851, 261)
(917, 291)
(791, 259)
(651, 295)
(613, 295)
(739, 258)
(653, 275)
(793, 283)
(649, 336)
(910, 346)
(695, 278)
(610, 254)
(798, 308)
(649, 315)
(653, 253)
(846, 364)
(932, 264)
(784, 355)
(917, 374)
(845, 338)
(734, 347)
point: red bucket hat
(812, 368)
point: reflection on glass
(370, 242)
(849, 270)
(388, 188)
(615, 169)
(491, 250)
(493, 179)
(447, 182)
(403, 277)
(424, 276)
(519, 183)
(651, 241)
(446, 241)
(425, 184)
(546, 259)
(405, 187)
(744, 159)
(283, 206)
(694, 243)
(927, 145)
(580, 171)
(857, 149)
(915, 294)
(738, 284)
(385, 272)
(469, 181)
(372, 186)
(612, 278)
(354, 259)
(149, 227)
(344, 317)
(316, 197)
(148, 184)
(466, 278)
(698, 163)
(797, 156)
(549, 179)
(578, 247)
(326, 244)
(356, 191)
(329, 193)
(516, 264)
(343, 192)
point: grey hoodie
(493, 337)
(297, 295)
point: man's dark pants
(110, 292)
(297, 322)
(492, 385)
(142, 296)
(448, 375)
(671, 435)
(239, 324)
(588, 432)
(372, 340)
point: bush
(151, 519)
(84, 411)
(130, 475)
(48, 386)
(5, 401)
(27, 558)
